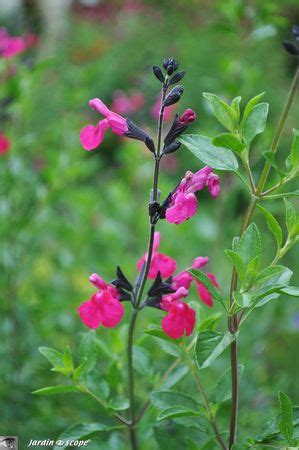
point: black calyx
(157, 290)
(171, 148)
(170, 65)
(123, 285)
(158, 74)
(174, 95)
(134, 132)
(177, 77)
(293, 47)
(175, 131)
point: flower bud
(187, 117)
(177, 77)
(174, 96)
(170, 65)
(291, 48)
(158, 73)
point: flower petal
(185, 206)
(112, 311)
(91, 137)
(89, 314)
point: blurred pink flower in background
(11, 46)
(127, 104)
(168, 111)
(5, 144)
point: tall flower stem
(233, 322)
(140, 288)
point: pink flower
(179, 321)
(187, 117)
(159, 262)
(184, 279)
(11, 46)
(92, 136)
(183, 203)
(203, 291)
(168, 111)
(124, 104)
(5, 144)
(104, 307)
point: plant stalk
(139, 293)
(234, 321)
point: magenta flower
(5, 144)
(183, 203)
(11, 46)
(180, 319)
(104, 307)
(92, 136)
(159, 262)
(204, 292)
(125, 104)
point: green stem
(234, 320)
(139, 293)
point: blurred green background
(66, 213)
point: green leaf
(142, 361)
(254, 101)
(235, 105)
(294, 156)
(225, 114)
(52, 355)
(68, 359)
(210, 323)
(168, 345)
(286, 423)
(293, 291)
(255, 122)
(85, 431)
(238, 263)
(228, 140)
(205, 280)
(294, 194)
(223, 388)
(120, 404)
(249, 246)
(80, 370)
(292, 220)
(177, 411)
(167, 399)
(60, 389)
(175, 376)
(211, 155)
(210, 345)
(273, 225)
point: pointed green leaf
(52, 355)
(204, 279)
(292, 219)
(273, 225)
(210, 345)
(210, 323)
(235, 104)
(119, 404)
(168, 399)
(228, 140)
(60, 389)
(254, 101)
(294, 156)
(68, 359)
(255, 122)
(286, 426)
(249, 245)
(177, 411)
(292, 291)
(237, 262)
(168, 345)
(211, 155)
(225, 114)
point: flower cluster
(182, 204)
(105, 307)
(11, 46)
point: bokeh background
(66, 213)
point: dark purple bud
(134, 132)
(171, 148)
(175, 130)
(187, 117)
(174, 95)
(158, 73)
(177, 77)
(170, 65)
(291, 48)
